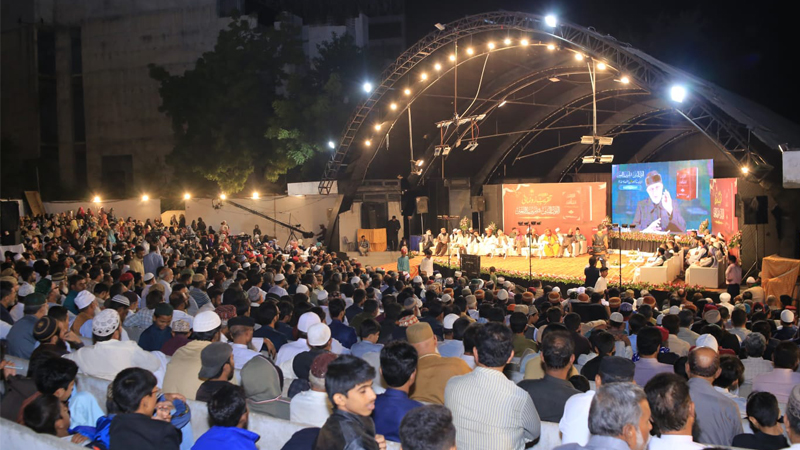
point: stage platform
(568, 269)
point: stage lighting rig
(441, 150)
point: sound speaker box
(422, 205)
(756, 210)
(478, 204)
(9, 223)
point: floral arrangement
(703, 229)
(606, 223)
(736, 240)
(649, 237)
(492, 226)
(465, 224)
(561, 279)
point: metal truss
(715, 124)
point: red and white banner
(723, 206)
(556, 205)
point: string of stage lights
(677, 93)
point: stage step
(375, 258)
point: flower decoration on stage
(465, 224)
(606, 223)
(703, 229)
(736, 240)
(492, 226)
(650, 237)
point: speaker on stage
(756, 210)
(422, 205)
(9, 223)
(478, 203)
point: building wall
(132, 207)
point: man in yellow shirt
(433, 370)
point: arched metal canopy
(739, 137)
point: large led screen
(662, 197)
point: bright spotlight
(452, 57)
(677, 93)
(551, 47)
(393, 106)
(187, 196)
(222, 196)
(601, 66)
(470, 51)
(550, 20)
(507, 41)
(420, 163)
(624, 80)
(523, 42)
(367, 87)
(423, 76)
(255, 195)
(367, 142)
(331, 144)
(501, 104)
(437, 66)
(579, 56)
(378, 127)
(491, 45)
(745, 170)
(145, 197)
(96, 199)
(407, 91)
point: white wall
(349, 223)
(135, 208)
(309, 211)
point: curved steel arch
(715, 124)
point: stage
(569, 270)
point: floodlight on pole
(367, 87)
(523, 42)
(222, 196)
(470, 50)
(187, 196)
(677, 93)
(550, 20)
(393, 106)
(624, 80)
(579, 56)
(437, 66)
(490, 45)
(96, 199)
(507, 41)
(255, 195)
(423, 76)
(331, 145)
(452, 57)
(745, 170)
(601, 66)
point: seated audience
(672, 413)
(156, 335)
(718, 419)
(141, 420)
(784, 376)
(438, 432)
(227, 415)
(48, 414)
(647, 366)
(763, 414)
(399, 370)
(489, 411)
(348, 383)
(551, 393)
(313, 406)
(217, 365)
(186, 362)
(619, 419)
(433, 370)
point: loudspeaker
(9, 223)
(422, 205)
(756, 210)
(738, 206)
(478, 204)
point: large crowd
(168, 313)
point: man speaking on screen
(658, 213)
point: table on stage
(376, 238)
(632, 244)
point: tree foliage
(253, 108)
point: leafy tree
(252, 107)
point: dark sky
(746, 47)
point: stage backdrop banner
(661, 197)
(562, 205)
(723, 206)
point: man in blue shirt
(344, 334)
(399, 369)
(370, 332)
(227, 413)
(154, 336)
(153, 260)
(20, 337)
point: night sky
(745, 47)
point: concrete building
(78, 104)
